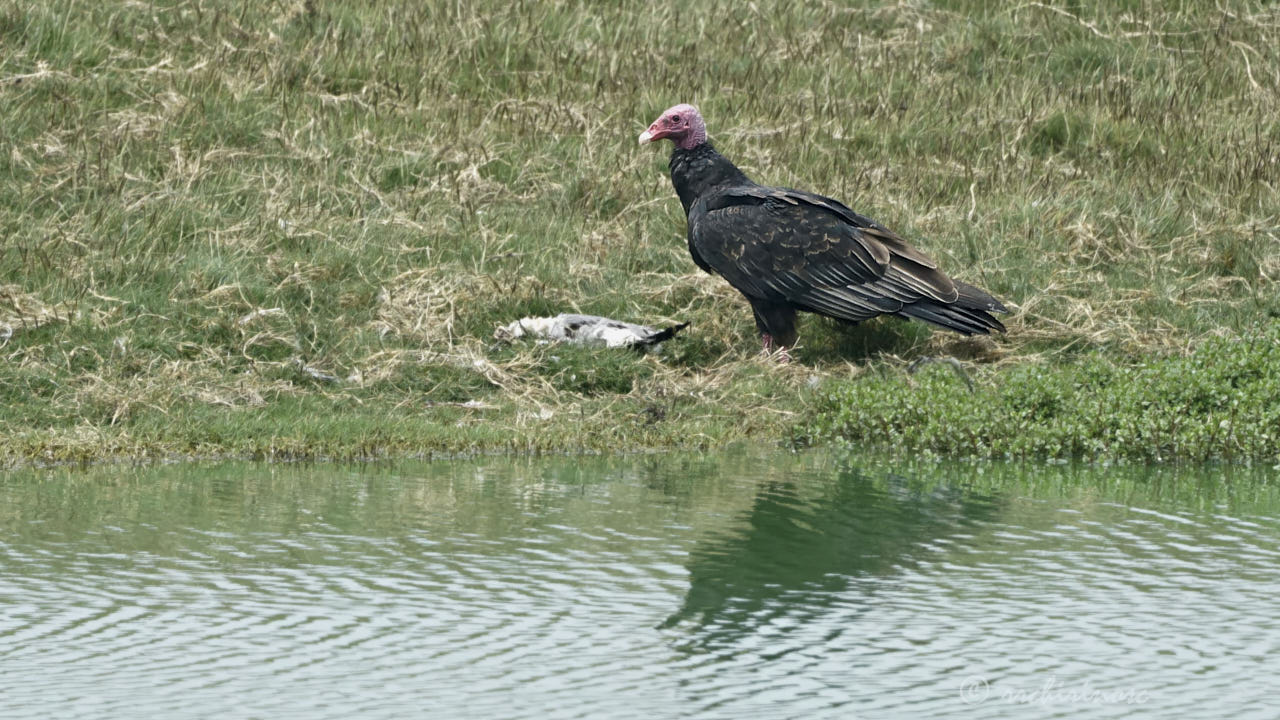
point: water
(729, 586)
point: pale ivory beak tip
(645, 137)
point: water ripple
(633, 588)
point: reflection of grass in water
(831, 537)
(171, 173)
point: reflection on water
(738, 585)
(800, 546)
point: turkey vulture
(788, 250)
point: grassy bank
(1220, 402)
(208, 207)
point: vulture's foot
(775, 350)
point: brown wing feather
(786, 246)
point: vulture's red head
(681, 124)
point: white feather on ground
(587, 330)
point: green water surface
(737, 585)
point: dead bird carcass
(588, 330)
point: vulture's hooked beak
(653, 133)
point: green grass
(394, 180)
(1217, 403)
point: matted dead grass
(22, 312)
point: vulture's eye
(675, 118)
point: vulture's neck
(699, 170)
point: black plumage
(789, 250)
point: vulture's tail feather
(968, 321)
